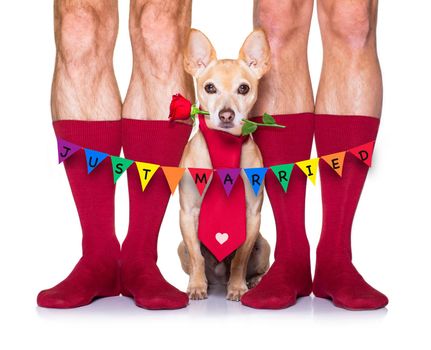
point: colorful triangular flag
(364, 152)
(255, 177)
(309, 167)
(119, 166)
(228, 177)
(200, 177)
(282, 172)
(335, 161)
(94, 158)
(65, 149)
(146, 172)
(173, 176)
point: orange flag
(335, 161)
(173, 176)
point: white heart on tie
(221, 237)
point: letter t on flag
(146, 172)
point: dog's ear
(256, 52)
(198, 53)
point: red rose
(180, 108)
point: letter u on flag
(146, 172)
(201, 178)
(309, 167)
(364, 152)
(256, 176)
(94, 158)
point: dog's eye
(210, 88)
(243, 89)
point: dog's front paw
(197, 291)
(236, 291)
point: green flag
(283, 172)
(119, 166)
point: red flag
(201, 178)
(364, 152)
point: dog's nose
(226, 115)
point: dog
(227, 89)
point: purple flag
(228, 177)
(65, 149)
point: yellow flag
(335, 161)
(309, 167)
(146, 172)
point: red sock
(97, 272)
(289, 276)
(336, 278)
(159, 142)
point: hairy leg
(158, 30)
(86, 111)
(285, 89)
(348, 109)
(351, 81)
(84, 85)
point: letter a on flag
(119, 166)
(335, 161)
(201, 178)
(309, 167)
(146, 172)
(94, 158)
(282, 173)
(65, 149)
(228, 177)
(364, 152)
(255, 177)
(173, 176)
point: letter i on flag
(146, 172)
(255, 177)
(119, 166)
(94, 158)
(282, 173)
(65, 149)
(335, 161)
(173, 176)
(309, 167)
(200, 178)
(364, 152)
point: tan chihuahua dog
(227, 89)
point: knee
(161, 26)
(84, 33)
(351, 22)
(284, 21)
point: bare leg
(286, 88)
(158, 30)
(84, 85)
(351, 81)
(286, 91)
(86, 111)
(348, 106)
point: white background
(40, 233)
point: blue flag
(255, 177)
(94, 158)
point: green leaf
(268, 119)
(248, 128)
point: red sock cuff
(286, 145)
(336, 133)
(103, 136)
(154, 141)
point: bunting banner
(228, 176)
